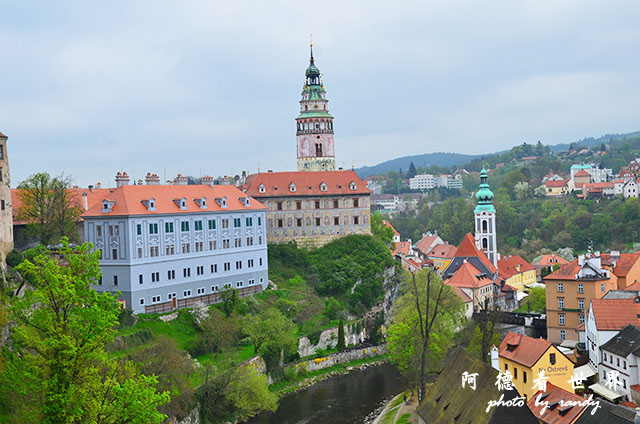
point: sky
(212, 88)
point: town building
(485, 220)
(423, 182)
(556, 405)
(570, 289)
(314, 134)
(467, 251)
(312, 208)
(396, 235)
(619, 356)
(631, 189)
(525, 357)
(441, 255)
(598, 190)
(427, 242)
(475, 284)
(171, 246)
(548, 262)
(556, 188)
(516, 272)
(6, 213)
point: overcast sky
(212, 87)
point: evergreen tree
(412, 170)
(341, 340)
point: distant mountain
(427, 159)
(590, 141)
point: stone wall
(6, 214)
(340, 358)
(353, 335)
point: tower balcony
(314, 131)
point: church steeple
(485, 217)
(314, 124)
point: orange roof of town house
(582, 173)
(388, 225)
(401, 248)
(443, 251)
(556, 183)
(624, 262)
(425, 243)
(557, 413)
(511, 265)
(468, 276)
(128, 200)
(550, 260)
(523, 349)
(468, 248)
(615, 314)
(565, 272)
(306, 183)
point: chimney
(152, 179)
(269, 170)
(85, 203)
(91, 188)
(122, 179)
(181, 180)
(139, 181)
(98, 185)
(207, 180)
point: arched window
(485, 244)
(306, 107)
(484, 225)
(319, 149)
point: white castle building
(171, 246)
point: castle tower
(6, 215)
(314, 125)
(485, 215)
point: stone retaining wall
(353, 335)
(340, 358)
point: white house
(423, 182)
(170, 246)
(620, 356)
(630, 189)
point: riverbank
(397, 411)
(283, 387)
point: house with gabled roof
(556, 405)
(474, 283)
(428, 242)
(469, 252)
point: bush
(14, 258)
(127, 318)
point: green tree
(341, 340)
(272, 334)
(412, 170)
(424, 320)
(58, 371)
(49, 207)
(229, 297)
(380, 230)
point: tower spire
(311, 47)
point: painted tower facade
(314, 125)
(6, 215)
(485, 215)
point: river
(343, 399)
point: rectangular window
(227, 266)
(251, 281)
(560, 287)
(259, 221)
(237, 223)
(249, 222)
(141, 301)
(515, 373)
(260, 261)
(110, 230)
(171, 249)
(298, 205)
(139, 252)
(561, 302)
(238, 283)
(197, 225)
(226, 244)
(280, 223)
(214, 289)
(524, 376)
(186, 247)
(212, 224)
(580, 303)
(214, 268)
(279, 206)
(98, 231)
(140, 279)
(153, 228)
(355, 203)
(186, 272)
(199, 246)
(168, 227)
(580, 288)
(213, 244)
(116, 230)
(115, 280)
(506, 367)
(238, 264)
(155, 277)
(238, 242)
(561, 319)
(139, 229)
(552, 356)
(186, 293)
(317, 204)
(200, 270)
(298, 222)
(114, 254)
(602, 287)
(563, 335)
(155, 299)
(317, 222)
(259, 239)
(355, 220)
(171, 274)
(154, 251)
(184, 226)
(581, 318)
(201, 290)
(336, 220)
(617, 362)
(336, 204)
(249, 241)
(225, 224)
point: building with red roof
(428, 242)
(516, 272)
(171, 246)
(469, 252)
(396, 234)
(557, 406)
(597, 190)
(523, 357)
(548, 262)
(312, 208)
(476, 284)
(556, 188)
(442, 255)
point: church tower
(314, 125)
(485, 215)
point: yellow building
(516, 272)
(525, 358)
(442, 255)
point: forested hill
(425, 160)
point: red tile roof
(388, 225)
(556, 183)
(467, 276)
(468, 248)
(75, 195)
(522, 349)
(550, 260)
(599, 185)
(559, 414)
(402, 248)
(425, 243)
(565, 272)
(307, 183)
(582, 173)
(2, 135)
(511, 265)
(633, 287)
(462, 295)
(443, 251)
(615, 314)
(636, 387)
(580, 327)
(128, 200)
(624, 263)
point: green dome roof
(312, 70)
(484, 195)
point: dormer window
(323, 186)
(245, 201)
(353, 186)
(149, 204)
(262, 188)
(181, 203)
(292, 188)
(107, 205)
(202, 202)
(222, 202)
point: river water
(343, 399)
